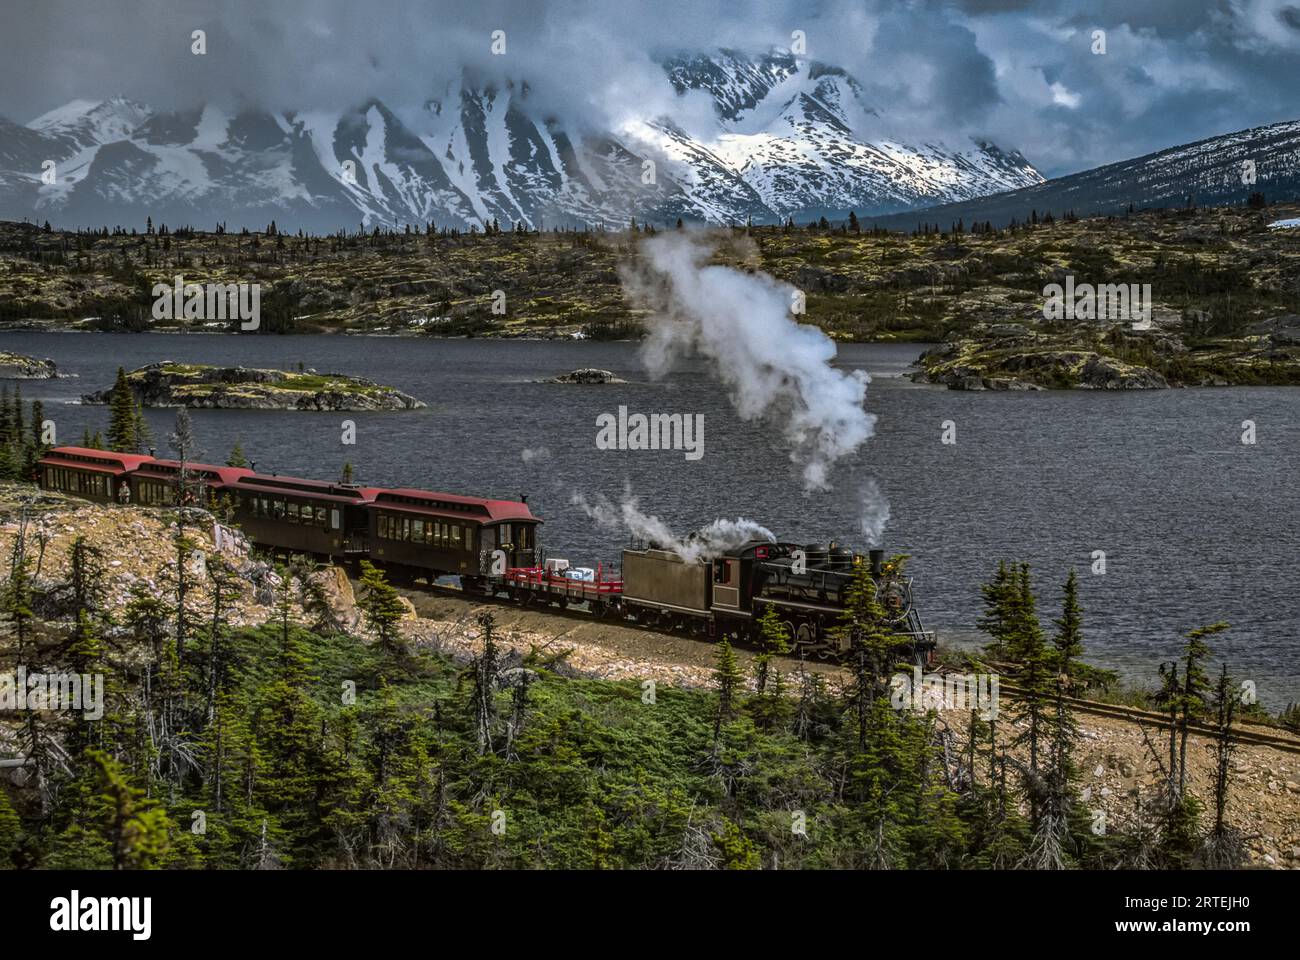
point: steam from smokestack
(774, 368)
(874, 512)
(706, 543)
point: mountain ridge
(1206, 172)
(791, 136)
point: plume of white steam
(534, 454)
(874, 512)
(709, 541)
(774, 368)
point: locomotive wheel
(805, 636)
(791, 635)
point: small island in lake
(201, 386)
(17, 366)
(585, 375)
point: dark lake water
(1196, 526)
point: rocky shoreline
(203, 387)
(1014, 357)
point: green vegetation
(22, 435)
(288, 745)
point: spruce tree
(383, 610)
(143, 435)
(865, 632)
(1000, 599)
(236, 458)
(772, 640)
(1034, 705)
(1225, 846)
(727, 680)
(122, 420)
(1196, 685)
(484, 669)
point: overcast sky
(1023, 74)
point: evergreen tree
(236, 458)
(864, 631)
(1225, 845)
(772, 640)
(1034, 706)
(1000, 599)
(727, 680)
(143, 435)
(1196, 685)
(484, 670)
(38, 426)
(383, 610)
(122, 416)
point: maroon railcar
(90, 474)
(165, 483)
(429, 534)
(303, 516)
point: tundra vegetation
(1226, 287)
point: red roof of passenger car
(497, 510)
(226, 475)
(116, 463)
(297, 486)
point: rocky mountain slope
(1202, 174)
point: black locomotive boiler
(807, 585)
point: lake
(1195, 525)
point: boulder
(1107, 373)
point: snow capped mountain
(792, 138)
(803, 137)
(1211, 172)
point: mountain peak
(792, 137)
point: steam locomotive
(725, 594)
(492, 546)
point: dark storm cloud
(1021, 73)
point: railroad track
(1245, 733)
(1252, 734)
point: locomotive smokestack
(877, 562)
